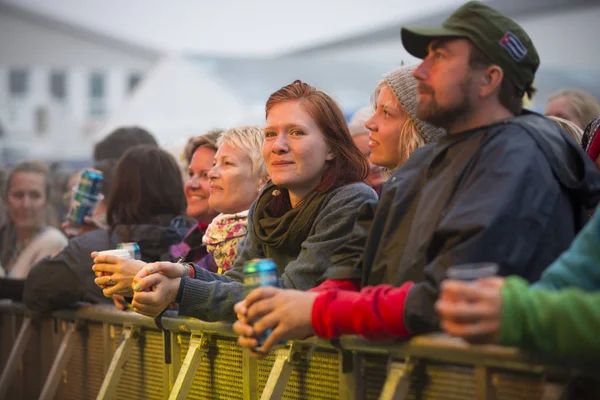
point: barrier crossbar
(107, 353)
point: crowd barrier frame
(433, 366)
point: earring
(276, 192)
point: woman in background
(147, 194)
(200, 152)
(26, 237)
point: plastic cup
(121, 253)
(472, 272)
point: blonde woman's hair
(570, 127)
(249, 139)
(410, 137)
(585, 105)
(208, 140)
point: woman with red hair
(301, 216)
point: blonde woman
(360, 136)
(573, 105)
(235, 179)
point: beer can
(259, 273)
(82, 206)
(133, 248)
(85, 196)
(90, 182)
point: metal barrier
(100, 352)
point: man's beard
(445, 117)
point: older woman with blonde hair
(235, 179)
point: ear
(490, 80)
(330, 155)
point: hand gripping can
(258, 273)
(133, 248)
(85, 196)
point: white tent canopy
(178, 100)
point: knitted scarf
(291, 227)
(591, 139)
(223, 235)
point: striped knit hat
(591, 139)
(404, 86)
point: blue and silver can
(85, 196)
(133, 248)
(259, 273)
(90, 182)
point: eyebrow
(286, 126)
(389, 107)
(439, 43)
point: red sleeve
(376, 312)
(348, 284)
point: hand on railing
(287, 312)
(471, 311)
(156, 286)
(114, 274)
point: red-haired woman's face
(294, 150)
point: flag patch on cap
(513, 45)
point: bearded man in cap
(505, 185)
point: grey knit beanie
(404, 86)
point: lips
(372, 142)
(281, 163)
(215, 188)
(196, 197)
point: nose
(213, 173)
(422, 71)
(193, 181)
(280, 144)
(25, 201)
(370, 124)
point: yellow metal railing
(100, 352)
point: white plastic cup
(121, 253)
(472, 272)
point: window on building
(18, 82)
(133, 81)
(97, 95)
(41, 120)
(58, 85)
(97, 85)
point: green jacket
(563, 323)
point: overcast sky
(234, 27)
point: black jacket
(514, 193)
(66, 279)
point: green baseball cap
(500, 38)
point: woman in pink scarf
(235, 179)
